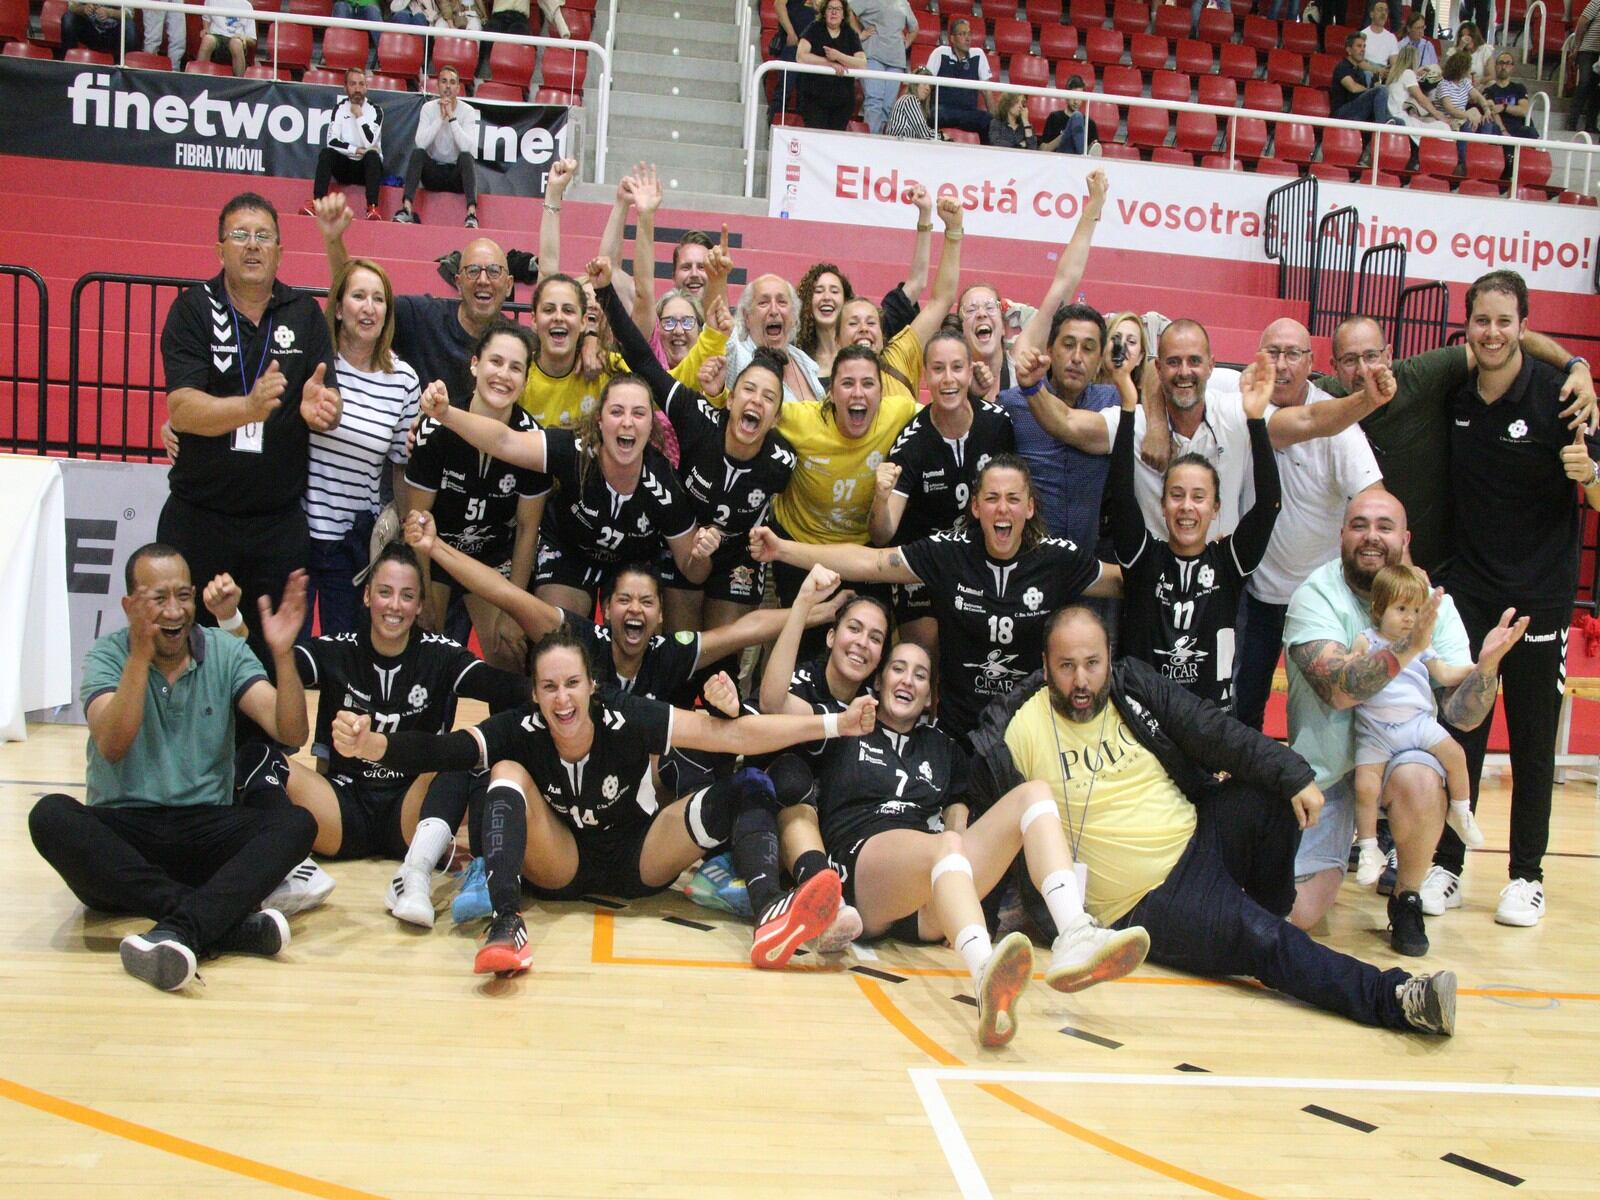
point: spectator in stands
(1010, 125)
(1287, 10)
(888, 28)
(1417, 38)
(912, 115)
(413, 12)
(353, 152)
(555, 21)
(1586, 104)
(961, 108)
(1319, 478)
(160, 834)
(1462, 104)
(460, 14)
(794, 18)
(176, 30)
(230, 27)
(361, 10)
(442, 159)
(1354, 94)
(1196, 7)
(828, 102)
(508, 16)
(1482, 53)
(101, 27)
(249, 368)
(1069, 130)
(1508, 99)
(1124, 342)
(1408, 102)
(1381, 44)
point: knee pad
(708, 816)
(756, 789)
(792, 781)
(950, 862)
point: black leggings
(332, 165)
(197, 870)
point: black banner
(253, 126)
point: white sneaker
(1441, 889)
(1465, 825)
(1521, 903)
(410, 896)
(307, 886)
(1084, 954)
(1370, 865)
(845, 929)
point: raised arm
(1302, 422)
(536, 617)
(646, 200)
(562, 172)
(763, 625)
(888, 505)
(281, 710)
(519, 447)
(861, 563)
(1579, 387)
(699, 730)
(334, 215)
(775, 696)
(947, 281)
(1069, 268)
(1471, 701)
(1129, 537)
(917, 272)
(1254, 531)
(631, 342)
(115, 717)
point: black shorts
(912, 602)
(843, 854)
(608, 865)
(735, 576)
(499, 562)
(371, 819)
(906, 929)
(557, 564)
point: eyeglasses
(671, 324)
(243, 237)
(479, 270)
(1371, 358)
(1289, 354)
(978, 307)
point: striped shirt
(1591, 35)
(906, 119)
(345, 478)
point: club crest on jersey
(644, 523)
(1033, 597)
(741, 581)
(1183, 660)
(609, 787)
(507, 483)
(1206, 576)
(874, 460)
(925, 770)
(1518, 429)
(283, 337)
(756, 498)
(417, 696)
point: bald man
(434, 334)
(1318, 478)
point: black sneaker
(505, 950)
(1429, 1002)
(159, 958)
(407, 217)
(1408, 933)
(1391, 868)
(264, 933)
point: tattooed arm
(1343, 678)
(1470, 702)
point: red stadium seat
(311, 8)
(1170, 85)
(1437, 157)
(253, 71)
(1301, 37)
(1104, 47)
(1147, 127)
(1485, 162)
(1249, 137)
(1479, 187)
(494, 89)
(208, 68)
(454, 52)
(288, 46)
(1030, 69)
(1148, 52)
(324, 77)
(1012, 37)
(1085, 71)
(556, 98)
(580, 26)
(1341, 147)
(1214, 89)
(1043, 13)
(1286, 67)
(1105, 118)
(13, 21)
(928, 31)
(344, 48)
(1393, 153)
(1263, 96)
(1129, 17)
(1058, 43)
(512, 64)
(1309, 102)
(1428, 183)
(1579, 198)
(1040, 108)
(1122, 81)
(562, 68)
(1319, 72)
(1195, 58)
(1219, 162)
(1087, 14)
(388, 83)
(1260, 32)
(50, 23)
(1333, 39)
(1271, 166)
(1533, 168)
(1216, 26)
(400, 54)
(1172, 156)
(1293, 142)
(1115, 150)
(140, 61)
(82, 54)
(1532, 193)
(1196, 132)
(1332, 172)
(1238, 62)
(26, 50)
(1172, 22)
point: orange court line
(603, 952)
(879, 1000)
(182, 1147)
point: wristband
(924, 226)
(555, 208)
(830, 725)
(1574, 361)
(229, 624)
(1594, 480)
(1033, 388)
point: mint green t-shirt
(1324, 607)
(183, 753)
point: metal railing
(1421, 319)
(428, 34)
(1333, 276)
(1288, 236)
(1380, 282)
(1527, 18)
(14, 375)
(1229, 118)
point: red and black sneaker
(793, 919)
(505, 951)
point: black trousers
(259, 552)
(1221, 911)
(828, 110)
(197, 871)
(332, 165)
(459, 176)
(1532, 675)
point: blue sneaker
(714, 886)
(472, 901)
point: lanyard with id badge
(250, 437)
(1080, 870)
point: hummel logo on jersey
(612, 719)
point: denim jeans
(1221, 912)
(354, 10)
(333, 566)
(878, 96)
(1371, 105)
(1258, 642)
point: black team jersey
(591, 519)
(475, 496)
(887, 780)
(937, 476)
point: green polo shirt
(183, 754)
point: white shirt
(233, 19)
(1223, 439)
(1381, 46)
(1409, 694)
(445, 141)
(1318, 479)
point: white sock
(974, 946)
(1462, 808)
(1060, 892)
(428, 844)
(1370, 843)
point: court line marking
(929, 1085)
(168, 1143)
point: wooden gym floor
(642, 1058)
